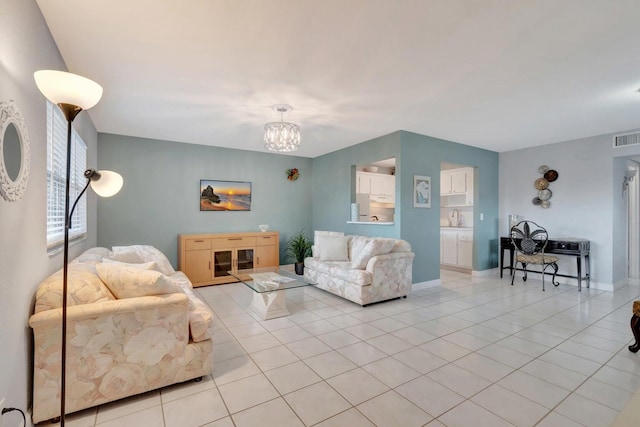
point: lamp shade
(108, 184)
(61, 87)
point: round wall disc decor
(551, 175)
(541, 183)
(14, 152)
(544, 194)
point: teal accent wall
(161, 198)
(332, 186)
(415, 155)
(422, 155)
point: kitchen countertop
(371, 222)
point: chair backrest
(529, 237)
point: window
(56, 175)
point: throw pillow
(377, 246)
(130, 255)
(315, 252)
(131, 282)
(332, 248)
(357, 244)
(145, 253)
(151, 265)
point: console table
(578, 248)
(206, 259)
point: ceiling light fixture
(281, 136)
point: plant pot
(299, 266)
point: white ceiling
(496, 74)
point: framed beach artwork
(225, 195)
(421, 191)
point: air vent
(626, 139)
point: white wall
(586, 200)
(26, 46)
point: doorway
(456, 217)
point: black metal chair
(529, 240)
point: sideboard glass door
(245, 259)
(222, 262)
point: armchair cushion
(83, 287)
(131, 282)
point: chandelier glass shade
(281, 136)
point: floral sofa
(133, 325)
(359, 268)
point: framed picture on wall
(218, 195)
(421, 191)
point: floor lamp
(73, 93)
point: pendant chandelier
(281, 136)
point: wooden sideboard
(206, 258)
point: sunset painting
(225, 195)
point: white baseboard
(425, 285)
(485, 273)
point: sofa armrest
(394, 269)
(114, 349)
(380, 261)
(109, 308)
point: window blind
(56, 175)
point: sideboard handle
(198, 241)
(234, 238)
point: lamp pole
(72, 93)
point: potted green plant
(298, 248)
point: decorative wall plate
(15, 155)
(544, 195)
(541, 183)
(551, 175)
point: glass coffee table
(269, 285)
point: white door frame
(633, 203)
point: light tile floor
(471, 352)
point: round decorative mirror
(14, 152)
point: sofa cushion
(374, 247)
(131, 282)
(332, 248)
(341, 270)
(83, 287)
(145, 253)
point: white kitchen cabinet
(449, 249)
(363, 183)
(458, 183)
(456, 248)
(465, 249)
(382, 188)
